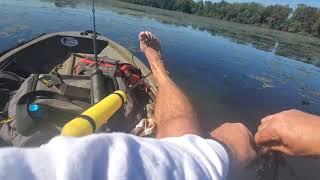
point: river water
(225, 81)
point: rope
(8, 120)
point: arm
(291, 132)
(174, 113)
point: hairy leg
(174, 113)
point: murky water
(226, 81)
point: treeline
(304, 19)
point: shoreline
(296, 46)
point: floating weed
(266, 82)
(315, 93)
(15, 28)
(4, 34)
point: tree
(207, 8)
(183, 6)
(198, 8)
(276, 16)
(304, 19)
(168, 4)
(315, 29)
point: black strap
(24, 120)
(74, 92)
(47, 94)
(9, 80)
(90, 120)
(115, 82)
(10, 75)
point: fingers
(266, 131)
(265, 122)
(266, 119)
(283, 150)
(263, 132)
(269, 135)
(266, 135)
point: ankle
(152, 53)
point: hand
(239, 140)
(291, 132)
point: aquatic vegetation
(14, 28)
(315, 93)
(266, 82)
(4, 34)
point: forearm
(174, 113)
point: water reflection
(64, 3)
(306, 49)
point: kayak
(48, 80)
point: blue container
(37, 111)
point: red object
(90, 62)
(131, 74)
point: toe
(153, 37)
(149, 36)
(142, 36)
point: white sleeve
(117, 156)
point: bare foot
(150, 45)
(149, 41)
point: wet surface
(225, 79)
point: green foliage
(315, 29)
(304, 19)
(183, 6)
(276, 16)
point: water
(226, 81)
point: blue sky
(292, 3)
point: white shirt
(117, 156)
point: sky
(292, 3)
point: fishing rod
(94, 33)
(98, 84)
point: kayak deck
(61, 52)
(46, 52)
